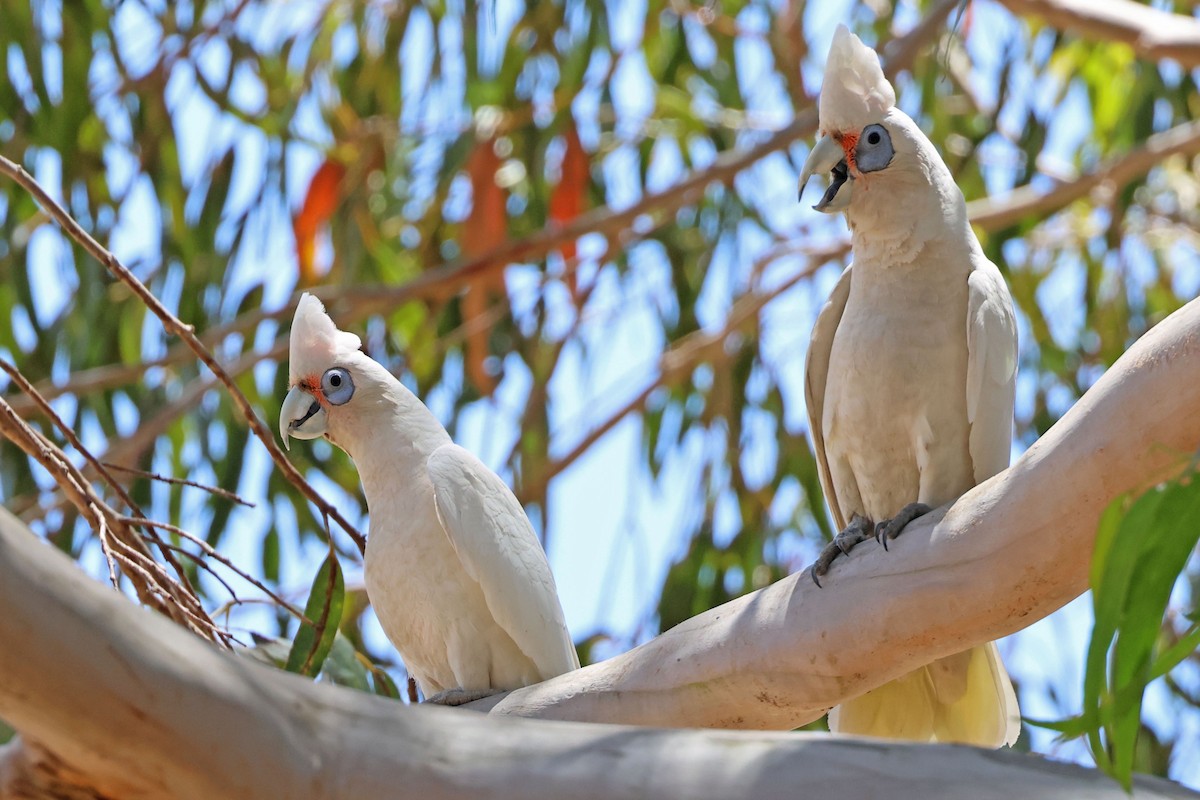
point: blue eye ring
(874, 150)
(337, 385)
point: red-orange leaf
(569, 198)
(485, 229)
(487, 226)
(322, 199)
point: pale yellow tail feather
(965, 698)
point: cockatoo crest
(316, 343)
(854, 92)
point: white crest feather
(316, 344)
(854, 92)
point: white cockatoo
(910, 376)
(453, 568)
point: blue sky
(613, 530)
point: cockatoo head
(873, 151)
(331, 382)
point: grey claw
(815, 580)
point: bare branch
(44, 405)
(184, 331)
(214, 554)
(154, 476)
(1029, 203)
(1152, 33)
(153, 585)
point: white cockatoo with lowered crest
(453, 568)
(909, 379)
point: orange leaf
(319, 204)
(485, 229)
(569, 198)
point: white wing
(991, 370)
(499, 550)
(816, 373)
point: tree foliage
(495, 194)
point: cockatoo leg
(859, 530)
(891, 528)
(458, 697)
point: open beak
(301, 417)
(827, 156)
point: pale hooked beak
(827, 156)
(301, 417)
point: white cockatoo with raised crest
(454, 571)
(909, 379)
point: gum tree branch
(1018, 546)
(1152, 33)
(197, 724)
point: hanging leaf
(324, 193)
(569, 198)
(486, 229)
(324, 610)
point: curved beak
(301, 417)
(827, 156)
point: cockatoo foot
(859, 530)
(458, 697)
(891, 528)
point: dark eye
(873, 137)
(337, 386)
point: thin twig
(154, 476)
(109, 557)
(159, 583)
(204, 565)
(184, 331)
(163, 593)
(27, 388)
(211, 552)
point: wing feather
(498, 549)
(991, 370)
(816, 374)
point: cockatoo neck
(900, 211)
(388, 432)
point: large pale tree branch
(1006, 554)
(1151, 32)
(112, 701)
(79, 662)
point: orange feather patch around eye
(849, 143)
(313, 387)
